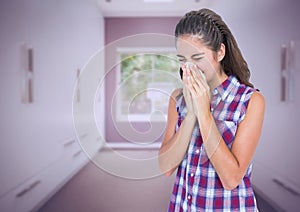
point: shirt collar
(226, 87)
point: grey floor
(263, 205)
(94, 190)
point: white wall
(64, 35)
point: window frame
(120, 117)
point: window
(146, 79)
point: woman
(214, 121)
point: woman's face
(191, 49)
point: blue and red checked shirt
(197, 186)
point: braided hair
(212, 31)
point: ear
(221, 52)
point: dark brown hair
(212, 31)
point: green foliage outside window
(138, 72)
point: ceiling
(135, 8)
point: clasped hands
(196, 91)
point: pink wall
(118, 28)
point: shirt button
(197, 151)
(189, 197)
(192, 174)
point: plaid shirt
(197, 186)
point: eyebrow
(193, 56)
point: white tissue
(190, 64)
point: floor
(93, 189)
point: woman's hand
(186, 93)
(200, 92)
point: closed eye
(198, 58)
(181, 58)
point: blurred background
(84, 93)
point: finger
(194, 82)
(201, 90)
(193, 91)
(198, 83)
(194, 71)
(184, 75)
(197, 73)
(188, 87)
(187, 97)
(197, 86)
(186, 90)
(200, 78)
(203, 77)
